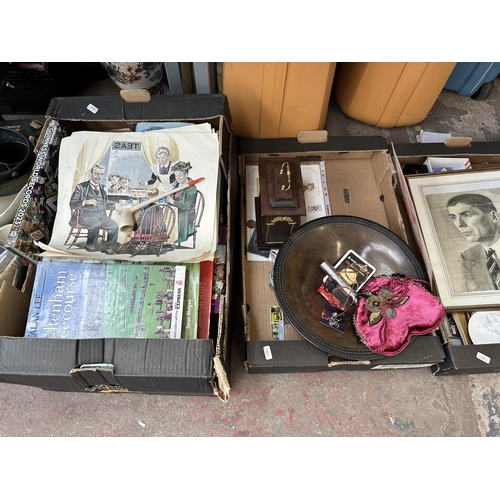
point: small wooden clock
(281, 204)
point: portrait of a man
(478, 221)
(459, 235)
(91, 200)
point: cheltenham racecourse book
(79, 299)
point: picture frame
(453, 244)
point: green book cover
(191, 301)
(108, 299)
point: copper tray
(297, 274)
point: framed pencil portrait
(458, 214)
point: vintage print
(138, 196)
(460, 221)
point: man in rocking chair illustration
(91, 200)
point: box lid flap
(480, 358)
(291, 145)
(138, 365)
(176, 107)
(440, 149)
(13, 325)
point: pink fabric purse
(393, 309)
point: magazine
(80, 300)
(179, 126)
(35, 215)
(137, 196)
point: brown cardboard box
(460, 359)
(360, 178)
(277, 99)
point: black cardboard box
(460, 359)
(362, 168)
(157, 366)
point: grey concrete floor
(382, 403)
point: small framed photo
(459, 217)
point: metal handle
(288, 175)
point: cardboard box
(156, 366)
(277, 99)
(361, 167)
(460, 359)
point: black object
(297, 274)
(20, 277)
(484, 92)
(29, 87)
(412, 168)
(16, 156)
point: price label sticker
(92, 108)
(267, 353)
(483, 357)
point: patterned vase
(138, 75)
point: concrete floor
(367, 403)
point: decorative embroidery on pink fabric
(393, 309)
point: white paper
(440, 164)
(432, 136)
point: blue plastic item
(473, 79)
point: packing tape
(312, 136)
(458, 142)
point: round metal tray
(297, 274)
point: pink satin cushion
(420, 312)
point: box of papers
(141, 360)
